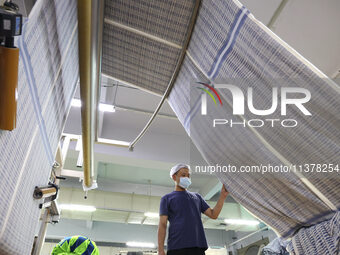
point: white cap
(177, 167)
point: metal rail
(277, 13)
(247, 236)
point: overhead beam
(127, 217)
(72, 173)
(101, 140)
(144, 34)
(130, 84)
(336, 74)
(126, 108)
(247, 236)
(124, 160)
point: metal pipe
(105, 141)
(277, 13)
(130, 84)
(138, 32)
(247, 236)
(87, 90)
(126, 108)
(175, 74)
(336, 75)
(43, 192)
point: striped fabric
(137, 60)
(48, 74)
(323, 238)
(77, 245)
(276, 247)
(229, 46)
(162, 18)
(134, 58)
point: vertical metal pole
(42, 233)
(87, 90)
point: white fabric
(229, 46)
(48, 74)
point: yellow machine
(10, 26)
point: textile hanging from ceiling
(48, 74)
(229, 46)
(132, 51)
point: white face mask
(184, 182)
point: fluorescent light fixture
(242, 222)
(79, 144)
(83, 208)
(113, 142)
(151, 214)
(102, 107)
(140, 244)
(106, 108)
(76, 102)
(80, 159)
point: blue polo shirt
(184, 209)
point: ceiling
(145, 170)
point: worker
(183, 209)
(77, 245)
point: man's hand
(224, 192)
(161, 252)
(213, 213)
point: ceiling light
(114, 142)
(83, 208)
(241, 222)
(151, 214)
(106, 108)
(79, 144)
(76, 102)
(102, 107)
(139, 244)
